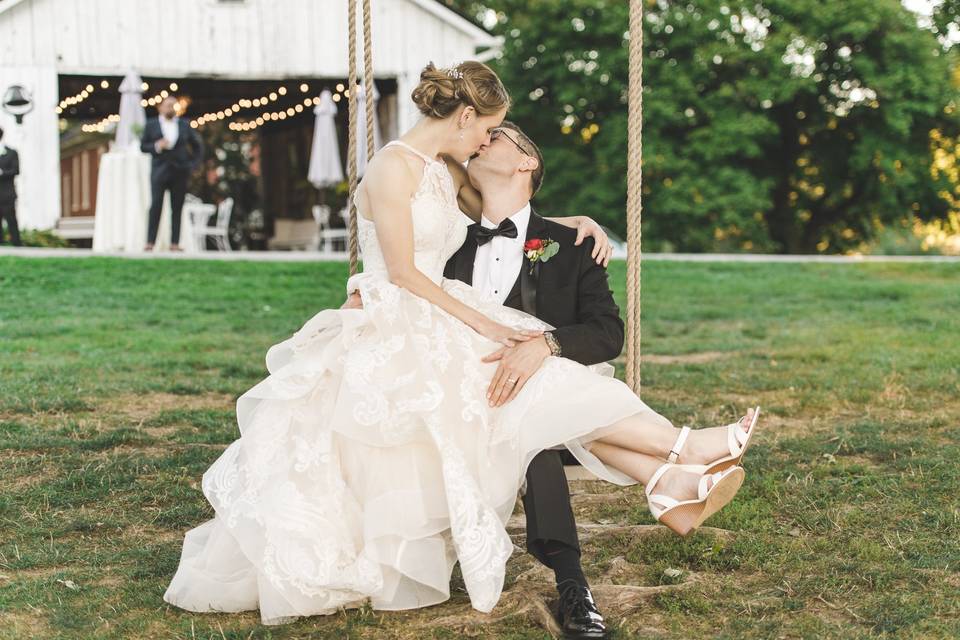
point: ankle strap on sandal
(678, 445)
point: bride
(370, 460)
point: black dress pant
(8, 212)
(547, 505)
(174, 180)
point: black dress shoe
(578, 614)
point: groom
(570, 292)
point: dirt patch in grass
(126, 410)
(701, 357)
(143, 406)
(686, 358)
(20, 472)
(28, 623)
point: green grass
(117, 384)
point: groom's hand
(517, 363)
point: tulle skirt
(369, 462)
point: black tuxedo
(9, 168)
(186, 155)
(170, 170)
(569, 291)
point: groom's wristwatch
(552, 343)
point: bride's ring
(512, 380)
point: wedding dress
(369, 461)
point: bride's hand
(503, 334)
(602, 249)
(589, 228)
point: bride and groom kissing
(392, 436)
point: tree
(785, 125)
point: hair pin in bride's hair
(454, 72)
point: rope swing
(634, 162)
(368, 87)
(634, 195)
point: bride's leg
(652, 434)
(679, 484)
(647, 433)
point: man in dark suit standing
(9, 167)
(177, 151)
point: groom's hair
(536, 176)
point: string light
(247, 103)
(269, 116)
(158, 98)
(76, 99)
(101, 126)
(219, 115)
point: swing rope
(634, 193)
(352, 176)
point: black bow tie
(483, 235)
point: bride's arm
(471, 203)
(390, 185)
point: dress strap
(418, 153)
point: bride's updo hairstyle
(470, 83)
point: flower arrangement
(539, 250)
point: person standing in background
(9, 168)
(177, 151)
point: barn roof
(437, 8)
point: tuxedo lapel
(529, 277)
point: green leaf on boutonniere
(549, 251)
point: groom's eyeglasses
(496, 134)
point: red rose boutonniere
(539, 250)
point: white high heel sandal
(737, 442)
(685, 516)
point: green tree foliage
(783, 125)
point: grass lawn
(117, 387)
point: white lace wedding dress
(369, 462)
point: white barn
(44, 41)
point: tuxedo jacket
(570, 291)
(186, 155)
(9, 167)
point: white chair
(219, 230)
(326, 235)
(197, 213)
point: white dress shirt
(498, 262)
(171, 130)
(3, 151)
